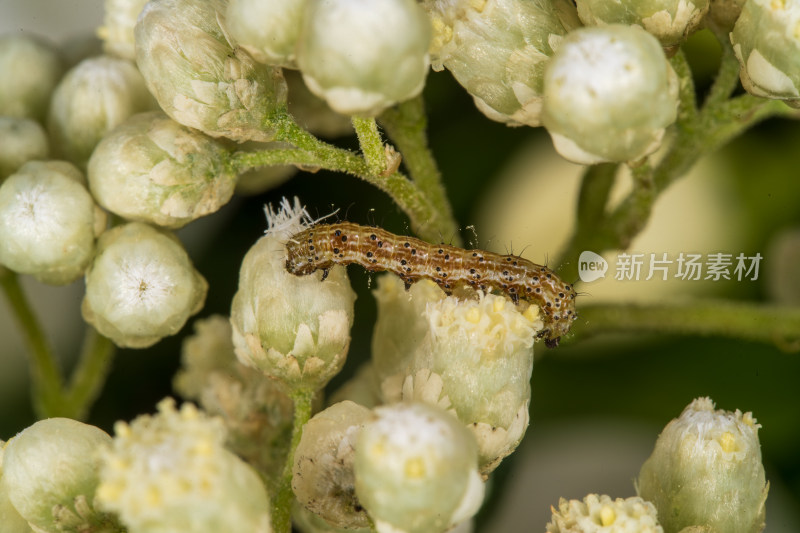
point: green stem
(775, 325)
(45, 376)
(406, 125)
(727, 75)
(282, 503)
(369, 139)
(426, 220)
(89, 376)
(687, 98)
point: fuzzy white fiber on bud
(767, 44)
(498, 49)
(170, 472)
(610, 94)
(29, 71)
(416, 469)
(21, 140)
(601, 514)
(295, 329)
(198, 77)
(48, 222)
(93, 98)
(152, 169)
(50, 473)
(268, 30)
(363, 56)
(119, 19)
(706, 472)
(141, 286)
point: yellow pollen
(728, 442)
(499, 304)
(153, 497)
(607, 515)
(415, 468)
(478, 5)
(121, 429)
(109, 492)
(378, 449)
(473, 315)
(531, 313)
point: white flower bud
(498, 49)
(50, 472)
(416, 469)
(669, 21)
(311, 112)
(322, 477)
(92, 99)
(198, 78)
(268, 30)
(119, 19)
(601, 514)
(48, 222)
(363, 56)
(295, 329)
(10, 518)
(170, 472)
(307, 522)
(256, 412)
(152, 169)
(609, 95)
(706, 471)
(401, 326)
(767, 44)
(21, 140)
(29, 71)
(141, 286)
(475, 357)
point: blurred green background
(597, 406)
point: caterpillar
(321, 246)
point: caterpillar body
(321, 246)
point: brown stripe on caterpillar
(323, 245)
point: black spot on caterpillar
(321, 246)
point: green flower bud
(498, 49)
(416, 469)
(256, 412)
(21, 140)
(295, 329)
(10, 518)
(29, 71)
(706, 471)
(609, 95)
(323, 478)
(268, 30)
(141, 286)
(92, 99)
(669, 21)
(596, 514)
(50, 472)
(152, 169)
(170, 472)
(475, 357)
(198, 78)
(48, 222)
(119, 19)
(363, 56)
(767, 45)
(722, 14)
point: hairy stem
(45, 375)
(406, 125)
(97, 354)
(779, 326)
(282, 503)
(369, 138)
